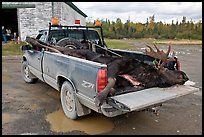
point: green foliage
(12, 48)
(151, 29)
(119, 44)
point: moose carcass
(124, 71)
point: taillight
(102, 79)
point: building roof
(14, 6)
(76, 9)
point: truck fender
(81, 109)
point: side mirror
(26, 47)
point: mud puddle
(90, 124)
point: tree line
(151, 29)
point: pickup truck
(78, 79)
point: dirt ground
(33, 109)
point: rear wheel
(26, 74)
(68, 100)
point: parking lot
(36, 108)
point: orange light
(97, 23)
(77, 21)
(55, 21)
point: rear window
(93, 37)
(76, 34)
(79, 35)
(60, 34)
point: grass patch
(12, 48)
(119, 44)
(131, 44)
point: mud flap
(81, 109)
(144, 98)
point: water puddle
(7, 118)
(90, 124)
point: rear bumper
(111, 111)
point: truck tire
(26, 74)
(68, 100)
(69, 43)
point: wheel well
(61, 80)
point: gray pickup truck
(78, 79)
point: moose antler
(160, 54)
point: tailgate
(148, 97)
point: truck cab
(77, 34)
(73, 36)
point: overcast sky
(140, 11)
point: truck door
(34, 58)
(50, 68)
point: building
(27, 18)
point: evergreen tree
(151, 29)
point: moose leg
(101, 96)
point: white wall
(31, 20)
(69, 16)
